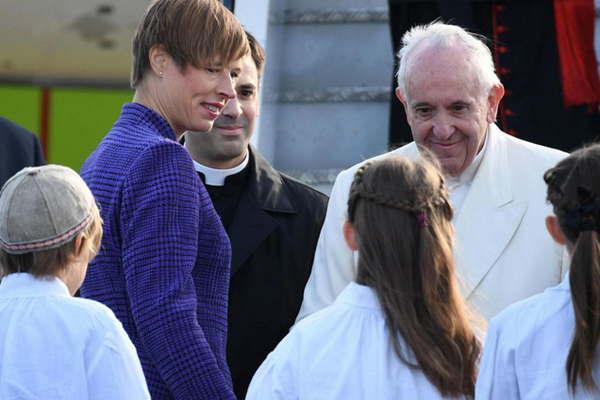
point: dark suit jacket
(19, 148)
(273, 237)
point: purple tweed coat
(163, 267)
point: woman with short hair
(163, 267)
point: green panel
(79, 119)
(21, 104)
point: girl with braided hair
(546, 347)
(401, 330)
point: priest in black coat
(273, 222)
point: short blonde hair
(192, 31)
(51, 262)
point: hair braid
(400, 211)
(422, 203)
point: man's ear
(554, 230)
(350, 236)
(495, 95)
(158, 59)
(402, 98)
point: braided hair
(417, 206)
(402, 216)
(574, 192)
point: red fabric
(575, 41)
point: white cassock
(526, 350)
(501, 238)
(342, 352)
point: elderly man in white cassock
(451, 94)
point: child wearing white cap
(54, 346)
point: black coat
(273, 236)
(19, 148)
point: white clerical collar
(215, 176)
(469, 173)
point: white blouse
(53, 346)
(341, 352)
(526, 350)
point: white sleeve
(497, 377)
(113, 367)
(276, 378)
(334, 265)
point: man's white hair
(445, 36)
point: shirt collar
(23, 284)
(215, 176)
(360, 296)
(469, 173)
